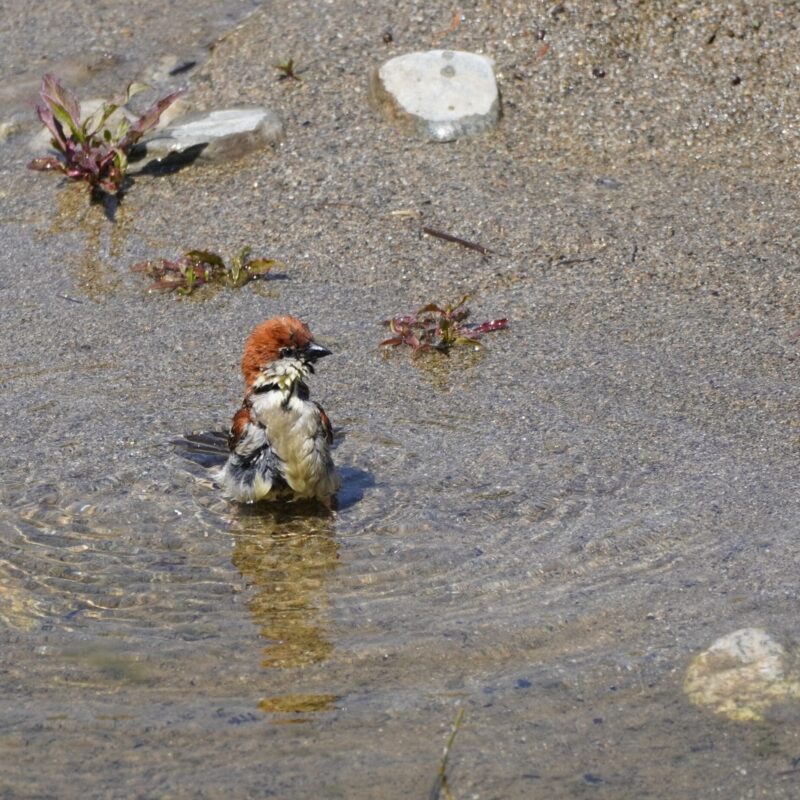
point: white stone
(741, 675)
(216, 135)
(439, 94)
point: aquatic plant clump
(196, 268)
(87, 149)
(435, 327)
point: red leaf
(167, 284)
(148, 120)
(54, 94)
(492, 325)
(52, 124)
(46, 163)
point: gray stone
(212, 136)
(440, 95)
(741, 675)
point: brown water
(543, 533)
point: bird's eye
(284, 352)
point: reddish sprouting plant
(87, 149)
(435, 327)
(288, 71)
(198, 267)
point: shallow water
(97, 50)
(543, 533)
(152, 628)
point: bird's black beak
(315, 351)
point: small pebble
(8, 129)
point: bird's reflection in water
(285, 553)
(285, 556)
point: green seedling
(196, 268)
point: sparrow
(280, 439)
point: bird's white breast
(295, 432)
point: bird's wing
(326, 423)
(252, 471)
(240, 423)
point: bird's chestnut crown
(277, 338)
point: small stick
(538, 56)
(448, 237)
(454, 23)
(542, 51)
(567, 261)
(338, 204)
(440, 785)
(405, 212)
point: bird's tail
(206, 448)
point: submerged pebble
(8, 129)
(213, 136)
(741, 675)
(440, 95)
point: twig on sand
(455, 22)
(448, 237)
(406, 213)
(567, 261)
